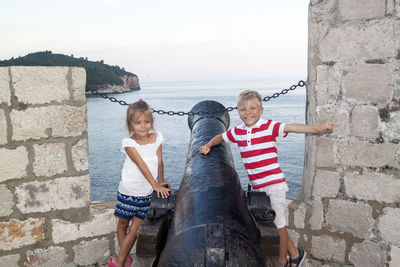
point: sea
(106, 128)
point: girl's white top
(133, 183)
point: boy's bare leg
(286, 245)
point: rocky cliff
(130, 83)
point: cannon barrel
(212, 224)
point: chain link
(301, 83)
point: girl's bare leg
(128, 241)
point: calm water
(107, 128)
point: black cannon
(210, 220)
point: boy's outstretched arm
(216, 140)
(327, 127)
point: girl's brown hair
(134, 110)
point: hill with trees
(98, 74)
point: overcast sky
(166, 40)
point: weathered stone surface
(49, 257)
(40, 85)
(372, 186)
(326, 87)
(10, 260)
(294, 236)
(365, 121)
(317, 215)
(43, 122)
(394, 256)
(389, 223)
(5, 95)
(6, 201)
(354, 42)
(360, 83)
(92, 252)
(326, 156)
(16, 234)
(3, 127)
(17, 158)
(78, 83)
(328, 248)
(338, 116)
(365, 154)
(362, 9)
(349, 217)
(101, 223)
(50, 159)
(367, 254)
(80, 156)
(391, 129)
(59, 194)
(300, 215)
(326, 184)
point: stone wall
(45, 215)
(348, 212)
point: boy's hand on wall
(327, 127)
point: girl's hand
(166, 185)
(327, 127)
(161, 190)
(204, 149)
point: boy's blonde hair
(135, 110)
(247, 95)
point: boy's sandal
(112, 262)
(300, 259)
(287, 264)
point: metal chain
(301, 83)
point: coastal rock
(130, 83)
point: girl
(142, 164)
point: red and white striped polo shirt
(257, 146)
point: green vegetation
(97, 73)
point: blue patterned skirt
(129, 206)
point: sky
(166, 40)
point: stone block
(3, 128)
(326, 184)
(353, 42)
(40, 85)
(365, 121)
(92, 252)
(13, 163)
(49, 257)
(101, 223)
(44, 122)
(328, 248)
(394, 257)
(367, 254)
(59, 194)
(6, 201)
(326, 156)
(391, 129)
(5, 95)
(339, 116)
(362, 9)
(299, 216)
(17, 234)
(80, 156)
(294, 236)
(349, 217)
(10, 260)
(372, 186)
(368, 84)
(389, 224)
(327, 88)
(78, 83)
(365, 154)
(50, 159)
(317, 215)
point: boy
(255, 138)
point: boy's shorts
(277, 195)
(130, 206)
